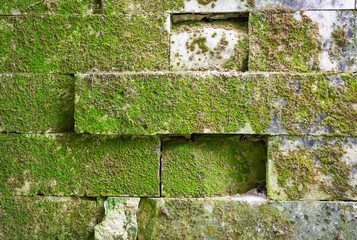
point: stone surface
(235, 218)
(46, 218)
(307, 4)
(212, 166)
(339, 39)
(139, 6)
(211, 102)
(79, 165)
(216, 45)
(283, 40)
(120, 219)
(70, 44)
(20, 7)
(36, 103)
(312, 168)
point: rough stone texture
(70, 44)
(46, 218)
(312, 168)
(282, 40)
(232, 218)
(36, 103)
(307, 4)
(339, 39)
(217, 45)
(20, 7)
(79, 165)
(212, 166)
(120, 219)
(183, 103)
(139, 6)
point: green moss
(340, 37)
(12, 7)
(36, 103)
(79, 165)
(46, 218)
(211, 219)
(140, 6)
(184, 103)
(303, 171)
(201, 43)
(279, 42)
(212, 166)
(70, 44)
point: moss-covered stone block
(307, 5)
(312, 168)
(36, 103)
(185, 103)
(20, 7)
(46, 218)
(236, 218)
(70, 44)
(214, 45)
(79, 165)
(282, 40)
(139, 6)
(212, 166)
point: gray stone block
(307, 4)
(312, 168)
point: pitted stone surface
(307, 4)
(120, 219)
(312, 168)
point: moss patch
(212, 166)
(46, 218)
(36, 103)
(79, 165)
(280, 42)
(141, 6)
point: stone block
(47, 218)
(36, 103)
(283, 40)
(21, 7)
(307, 4)
(312, 168)
(217, 45)
(139, 6)
(79, 165)
(211, 102)
(212, 166)
(70, 44)
(241, 218)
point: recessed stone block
(186, 103)
(241, 218)
(36, 103)
(213, 44)
(312, 168)
(47, 218)
(79, 165)
(212, 166)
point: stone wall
(178, 119)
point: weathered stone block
(120, 219)
(212, 166)
(17, 7)
(36, 103)
(139, 6)
(242, 218)
(184, 103)
(79, 165)
(307, 4)
(283, 40)
(312, 168)
(221, 44)
(46, 218)
(70, 44)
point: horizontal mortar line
(52, 196)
